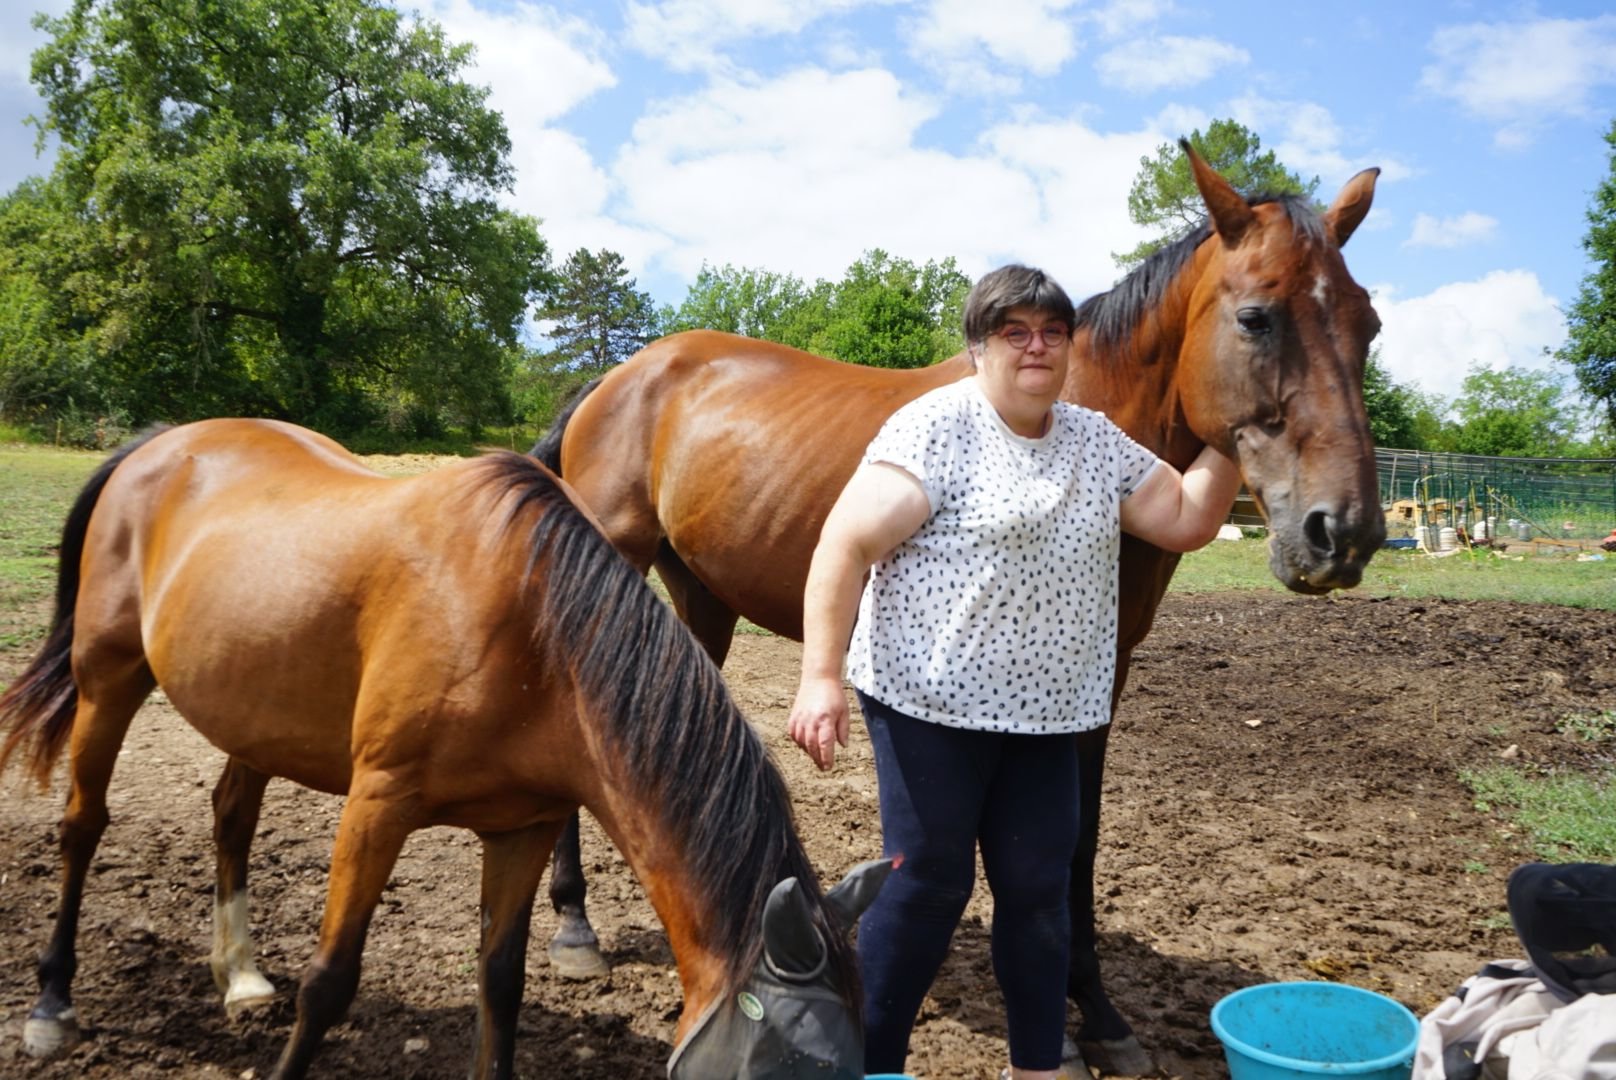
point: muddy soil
(1283, 801)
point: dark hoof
(578, 961)
(1118, 1057)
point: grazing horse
(716, 459)
(460, 648)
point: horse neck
(703, 965)
(1136, 382)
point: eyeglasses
(1019, 337)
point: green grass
(1479, 575)
(1590, 727)
(37, 486)
(1567, 817)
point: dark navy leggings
(944, 791)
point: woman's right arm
(881, 506)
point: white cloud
(539, 63)
(1504, 319)
(979, 46)
(1467, 228)
(690, 35)
(1522, 74)
(1120, 16)
(805, 173)
(1159, 63)
(1304, 136)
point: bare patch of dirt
(1282, 802)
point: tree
(886, 312)
(599, 319)
(738, 301)
(1513, 413)
(1590, 346)
(290, 201)
(1164, 196)
(1393, 408)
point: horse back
(731, 451)
(281, 593)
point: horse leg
(369, 837)
(1106, 1040)
(513, 864)
(99, 725)
(237, 798)
(574, 951)
(709, 618)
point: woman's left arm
(1182, 511)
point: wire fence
(1566, 500)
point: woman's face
(1019, 360)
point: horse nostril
(1320, 529)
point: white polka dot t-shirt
(1000, 612)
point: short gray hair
(1013, 286)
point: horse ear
(1231, 215)
(1351, 206)
(790, 941)
(857, 890)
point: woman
(991, 514)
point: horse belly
(260, 655)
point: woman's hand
(819, 719)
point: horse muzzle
(1324, 548)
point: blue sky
(793, 135)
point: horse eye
(1253, 320)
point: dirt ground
(1282, 802)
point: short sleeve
(919, 439)
(1134, 462)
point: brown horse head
(1271, 373)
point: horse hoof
(1118, 1057)
(578, 961)
(46, 1037)
(247, 992)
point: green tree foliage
(886, 312)
(1164, 197)
(1514, 413)
(755, 303)
(278, 206)
(44, 358)
(1394, 409)
(1590, 346)
(598, 318)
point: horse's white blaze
(232, 961)
(1321, 290)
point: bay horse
(460, 648)
(716, 458)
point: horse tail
(37, 711)
(548, 448)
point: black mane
(1111, 317)
(678, 736)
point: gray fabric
(799, 1032)
(792, 1021)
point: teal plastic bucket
(1287, 1031)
